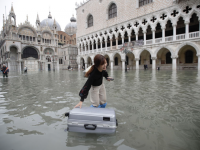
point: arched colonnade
(184, 56)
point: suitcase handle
(88, 126)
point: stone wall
(126, 10)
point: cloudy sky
(61, 10)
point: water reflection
(155, 110)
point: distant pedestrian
(25, 69)
(5, 70)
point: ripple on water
(155, 110)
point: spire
(3, 20)
(38, 17)
(54, 24)
(50, 15)
(27, 18)
(12, 10)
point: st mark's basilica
(41, 47)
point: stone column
(174, 64)
(58, 66)
(92, 46)
(123, 64)
(174, 32)
(136, 36)
(106, 45)
(78, 50)
(79, 66)
(129, 38)
(81, 49)
(186, 30)
(153, 35)
(137, 63)
(153, 63)
(163, 35)
(110, 44)
(85, 66)
(144, 37)
(122, 39)
(96, 45)
(20, 67)
(85, 48)
(111, 64)
(101, 46)
(88, 46)
(116, 43)
(198, 62)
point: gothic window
(116, 61)
(168, 58)
(189, 56)
(112, 12)
(144, 2)
(90, 21)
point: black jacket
(95, 78)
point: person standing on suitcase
(95, 83)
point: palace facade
(169, 29)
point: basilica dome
(71, 27)
(49, 22)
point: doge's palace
(169, 29)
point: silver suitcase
(92, 120)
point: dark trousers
(5, 75)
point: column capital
(144, 32)
(137, 59)
(174, 57)
(123, 60)
(111, 60)
(153, 58)
(198, 55)
(174, 24)
(186, 22)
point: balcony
(179, 37)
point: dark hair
(98, 60)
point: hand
(79, 104)
(108, 78)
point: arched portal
(117, 61)
(164, 60)
(30, 57)
(108, 61)
(187, 58)
(82, 63)
(89, 61)
(130, 59)
(145, 59)
(30, 52)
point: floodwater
(156, 110)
